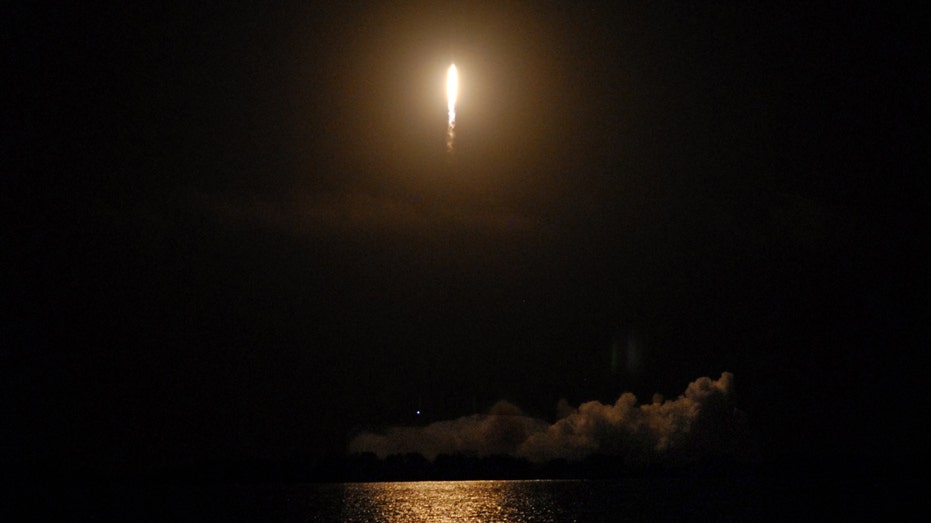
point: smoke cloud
(502, 431)
(702, 421)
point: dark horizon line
(366, 467)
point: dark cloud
(703, 421)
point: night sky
(236, 233)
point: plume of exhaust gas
(703, 421)
(452, 91)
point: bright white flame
(452, 90)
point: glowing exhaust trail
(452, 90)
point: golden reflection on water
(448, 501)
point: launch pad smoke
(701, 421)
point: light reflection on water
(691, 498)
(463, 501)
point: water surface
(468, 501)
(688, 498)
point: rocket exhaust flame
(452, 90)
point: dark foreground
(703, 493)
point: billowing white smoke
(700, 421)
